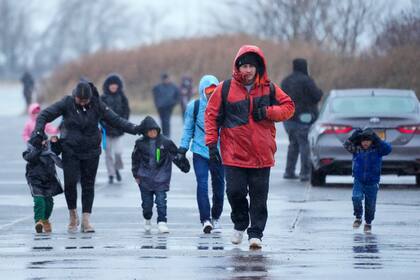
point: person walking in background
(186, 92)
(80, 142)
(113, 96)
(42, 157)
(244, 109)
(166, 96)
(151, 165)
(306, 95)
(194, 131)
(367, 149)
(28, 84)
(33, 112)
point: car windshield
(373, 105)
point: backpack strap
(273, 100)
(225, 93)
(196, 109)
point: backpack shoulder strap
(225, 91)
(273, 100)
(196, 109)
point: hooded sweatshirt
(245, 142)
(151, 160)
(30, 123)
(195, 130)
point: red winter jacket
(244, 142)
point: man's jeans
(147, 204)
(298, 144)
(369, 194)
(202, 166)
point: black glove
(355, 135)
(259, 114)
(138, 129)
(183, 163)
(36, 139)
(181, 153)
(214, 154)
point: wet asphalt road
(309, 232)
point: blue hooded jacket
(195, 131)
(367, 164)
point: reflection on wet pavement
(366, 252)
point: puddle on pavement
(250, 265)
(210, 242)
(366, 252)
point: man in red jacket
(244, 109)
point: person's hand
(54, 139)
(214, 154)
(355, 135)
(181, 153)
(259, 114)
(36, 139)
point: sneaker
(39, 226)
(367, 228)
(237, 237)
(163, 228)
(216, 225)
(147, 225)
(290, 176)
(255, 243)
(357, 223)
(207, 227)
(111, 180)
(118, 176)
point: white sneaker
(163, 228)
(147, 225)
(237, 237)
(255, 244)
(216, 226)
(207, 227)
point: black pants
(84, 170)
(165, 114)
(240, 182)
(298, 144)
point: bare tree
(14, 36)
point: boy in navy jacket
(367, 149)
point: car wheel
(317, 177)
(418, 180)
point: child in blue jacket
(367, 149)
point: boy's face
(152, 133)
(366, 144)
(248, 71)
(113, 88)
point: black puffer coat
(117, 101)
(303, 91)
(80, 134)
(151, 160)
(41, 174)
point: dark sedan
(393, 114)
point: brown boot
(74, 221)
(86, 226)
(39, 226)
(47, 226)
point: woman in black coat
(80, 141)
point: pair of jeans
(165, 114)
(147, 204)
(202, 166)
(369, 194)
(43, 207)
(298, 144)
(76, 170)
(240, 182)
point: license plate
(381, 134)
